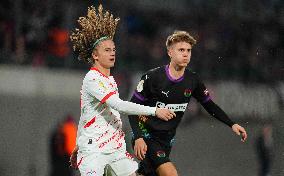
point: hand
(73, 158)
(140, 148)
(165, 114)
(240, 131)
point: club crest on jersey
(140, 86)
(101, 84)
(187, 93)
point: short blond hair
(180, 36)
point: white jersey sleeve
(99, 89)
(128, 107)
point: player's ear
(95, 55)
(169, 51)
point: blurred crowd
(62, 143)
(240, 40)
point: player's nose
(186, 54)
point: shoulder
(92, 75)
(154, 72)
(190, 73)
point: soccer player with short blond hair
(170, 86)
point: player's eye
(181, 49)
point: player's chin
(111, 64)
(183, 64)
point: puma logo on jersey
(166, 93)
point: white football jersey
(100, 126)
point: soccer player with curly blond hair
(100, 139)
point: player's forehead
(106, 44)
(182, 44)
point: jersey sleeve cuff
(153, 111)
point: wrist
(155, 111)
(139, 139)
(136, 137)
(234, 125)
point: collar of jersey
(167, 69)
(94, 68)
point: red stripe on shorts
(80, 162)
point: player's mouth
(112, 59)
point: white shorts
(93, 164)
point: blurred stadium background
(239, 55)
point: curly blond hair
(95, 27)
(180, 36)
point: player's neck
(176, 71)
(105, 71)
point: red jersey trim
(94, 68)
(107, 96)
